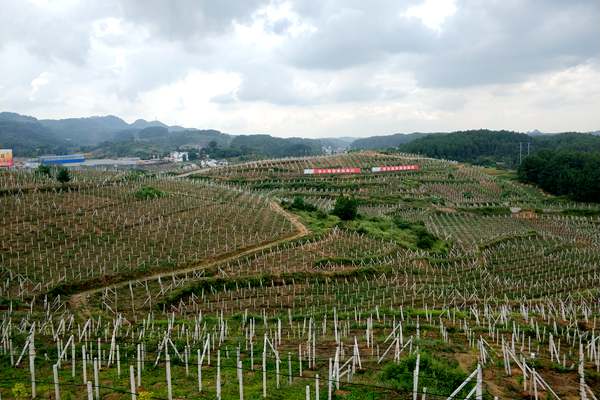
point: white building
(179, 156)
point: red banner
(396, 168)
(316, 171)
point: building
(65, 160)
(179, 156)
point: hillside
(247, 278)
(110, 136)
(266, 145)
(85, 131)
(485, 147)
(386, 141)
(27, 136)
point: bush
(148, 192)
(19, 391)
(401, 223)
(43, 170)
(321, 214)
(425, 240)
(436, 373)
(300, 205)
(346, 208)
(63, 175)
(143, 395)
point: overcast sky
(307, 68)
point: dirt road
(80, 298)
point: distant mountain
(157, 140)
(341, 143)
(142, 123)
(85, 131)
(14, 117)
(383, 142)
(28, 137)
(535, 132)
(269, 146)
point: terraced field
(221, 288)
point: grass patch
(148, 192)
(438, 374)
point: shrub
(19, 391)
(321, 214)
(43, 170)
(438, 374)
(425, 240)
(401, 223)
(300, 205)
(145, 395)
(346, 208)
(63, 175)
(148, 192)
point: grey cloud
(351, 36)
(189, 19)
(484, 42)
(52, 34)
(507, 41)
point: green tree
(43, 170)
(567, 173)
(63, 175)
(346, 208)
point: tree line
(497, 148)
(568, 173)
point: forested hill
(563, 172)
(110, 136)
(384, 142)
(485, 147)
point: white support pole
(241, 379)
(218, 379)
(276, 371)
(73, 359)
(264, 368)
(56, 385)
(168, 367)
(139, 365)
(416, 378)
(317, 387)
(84, 366)
(118, 362)
(90, 391)
(199, 372)
(131, 382)
(479, 390)
(329, 382)
(462, 385)
(289, 368)
(32, 367)
(96, 383)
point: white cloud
(432, 13)
(40, 81)
(334, 67)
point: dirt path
(80, 299)
(193, 172)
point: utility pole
(520, 152)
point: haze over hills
(111, 136)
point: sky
(319, 68)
